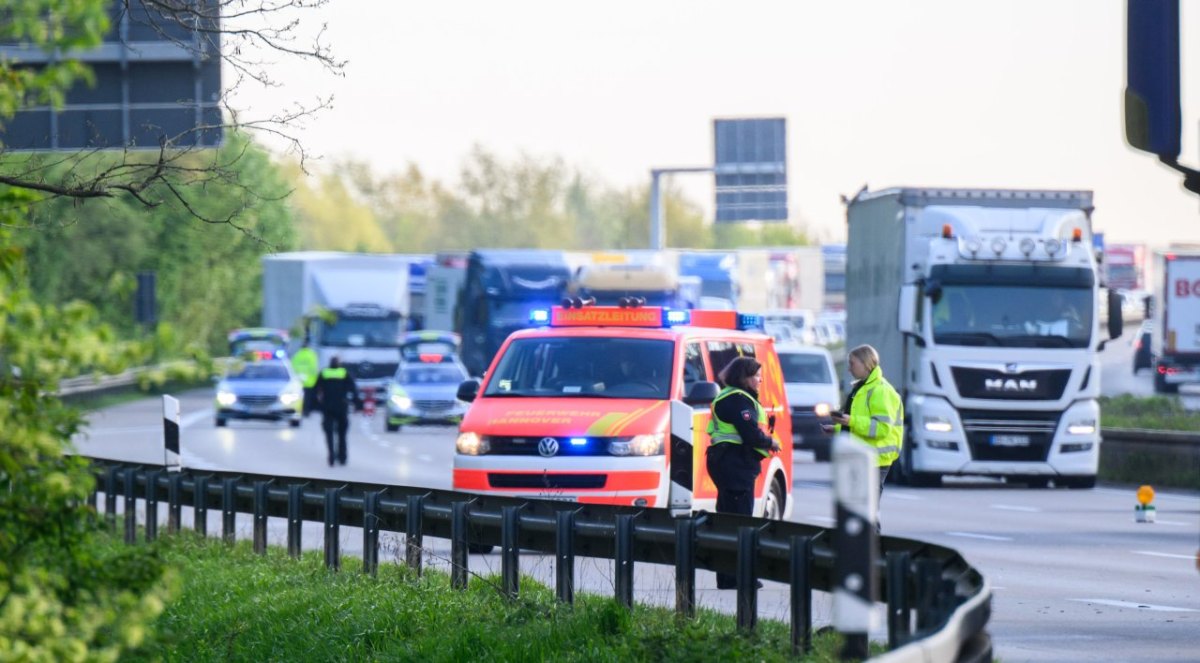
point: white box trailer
(1175, 337)
(984, 307)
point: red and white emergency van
(609, 405)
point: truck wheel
(1162, 386)
(1079, 483)
(926, 480)
(1038, 482)
(391, 428)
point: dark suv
(1141, 349)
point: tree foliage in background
(208, 277)
(527, 202)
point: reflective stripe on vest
(333, 373)
(721, 432)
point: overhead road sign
(157, 79)
(750, 168)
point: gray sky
(1014, 94)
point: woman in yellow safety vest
(874, 413)
(740, 434)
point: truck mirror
(933, 290)
(468, 390)
(1152, 97)
(702, 393)
(1116, 322)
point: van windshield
(804, 368)
(585, 367)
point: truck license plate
(1010, 440)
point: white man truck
(1175, 333)
(350, 305)
(984, 307)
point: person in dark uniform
(741, 436)
(335, 391)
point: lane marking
(188, 420)
(903, 496)
(1015, 507)
(972, 535)
(809, 484)
(1158, 554)
(824, 519)
(1173, 523)
(1132, 604)
(425, 457)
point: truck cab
(985, 308)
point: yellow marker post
(1144, 511)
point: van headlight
(938, 425)
(821, 409)
(638, 445)
(471, 444)
(1082, 427)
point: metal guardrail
(937, 604)
(1145, 435)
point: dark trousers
(335, 426)
(733, 501)
(883, 472)
(310, 400)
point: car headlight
(471, 444)
(1082, 427)
(291, 395)
(638, 445)
(821, 409)
(401, 401)
(938, 425)
(226, 397)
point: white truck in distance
(1175, 335)
(367, 296)
(983, 305)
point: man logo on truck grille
(548, 446)
(1009, 385)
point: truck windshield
(363, 332)
(584, 367)
(1013, 315)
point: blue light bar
(675, 317)
(578, 441)
(746, 321)
(539, 316)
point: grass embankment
(1153, 413)
(238, 606)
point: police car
(610, 405)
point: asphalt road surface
(1074, 577)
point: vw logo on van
(548, 446)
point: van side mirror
(468, 390)
(906, 320)
(702, 393)
(1116, 322)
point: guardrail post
(929, 580)
(510, 561)
(685, 566)
(371, 533)
(229, 510)
(110, 496)
(855, 544)
(130, 506)
(295, 518)
(624, 559)
(747, 578)
(174, 503)
(801, 593)
(413, 540)
(899, 618)
(260, 516)
(152, 504)
(564, 557)
(333, 523)
(459, 557)
(200, 506)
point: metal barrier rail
(937, 604)
(1145, 435)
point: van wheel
(391, 428)
(774, 501)
(926, 480)
(1080, 483)
(220, 422)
